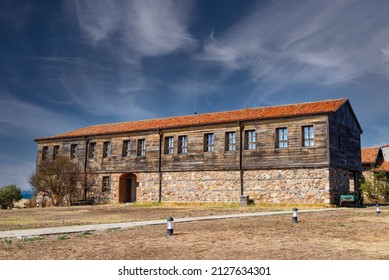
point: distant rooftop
(369, 155)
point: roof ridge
(228, 111)
(300, 103)
(245, 114)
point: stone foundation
(288, 185)
(339, 184)
(95, 188)
(210, 186)
(148, 186)
(309, 185)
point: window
(73, 151)
(45, 153)
(106, 184)
(169, 145)
(251, 140)
(141, 147)
(92, 150)
(282, 137)
(209, 142)
(126, 152)
(231, 141)
(183, 144)
(55, 152)
(308, 133)
(107, 149)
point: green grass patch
(7, 241)
(63, 237)
(33, 238)
(112, 230)
(233, 205)
(145, 204)
(288, 206)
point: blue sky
(72, 63)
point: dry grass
(116, 213)
(343, 234)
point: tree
(58, 179)
(376, 188)
(9, 195)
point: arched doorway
(127, 188)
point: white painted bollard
(170, 226)
(377, 209)
(294, 218)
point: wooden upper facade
(315, 134)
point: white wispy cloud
(19, 117)
(143, 27)
(104, 92)
(97, 18)
(326, 42)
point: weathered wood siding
(265, 156)
(268, 156)
(345, 140)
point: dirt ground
(330, 235)
(114, 213)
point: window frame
(45, 152)
(73, 151)
(92, 150)
(141, 148)
(169, 145)
(107, 149)
(55, 152)
(106, 184)
(126, 148)
(182, 144)
(230, 141)
(209, 142)
(310, 138)
(284, 142)
(250, 139)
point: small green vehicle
(352, 199)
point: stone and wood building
(375, 159)
(299, 153)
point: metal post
(377, 209)
(170, 226)
(294, 218)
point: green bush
(9, 195)
(376, 188)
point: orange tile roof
(369, 155)
(309, 108)
(384, 166)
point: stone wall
(309, 185)
(95, 188)
(148, 186)
(339, 183)
(210, 186)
